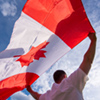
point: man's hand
(28, 88)
(89, 55)
(33, 93)
(92, 36)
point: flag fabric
(45, 31)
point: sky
(10, 11)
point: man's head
(59, 75)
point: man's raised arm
(89, 55)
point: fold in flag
(45, 31)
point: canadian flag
(45, 31)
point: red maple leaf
(34, 53)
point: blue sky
(10, 11)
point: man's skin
(89, 55)
(85, 65)
(33, 93)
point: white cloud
(97, 27)
(98, 4)
(21, 96)
(8, 9)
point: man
(70, 88)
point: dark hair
(58, 75)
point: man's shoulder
(78, 72)
(76, 75)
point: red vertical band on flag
(67, 19)
(15, 83)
